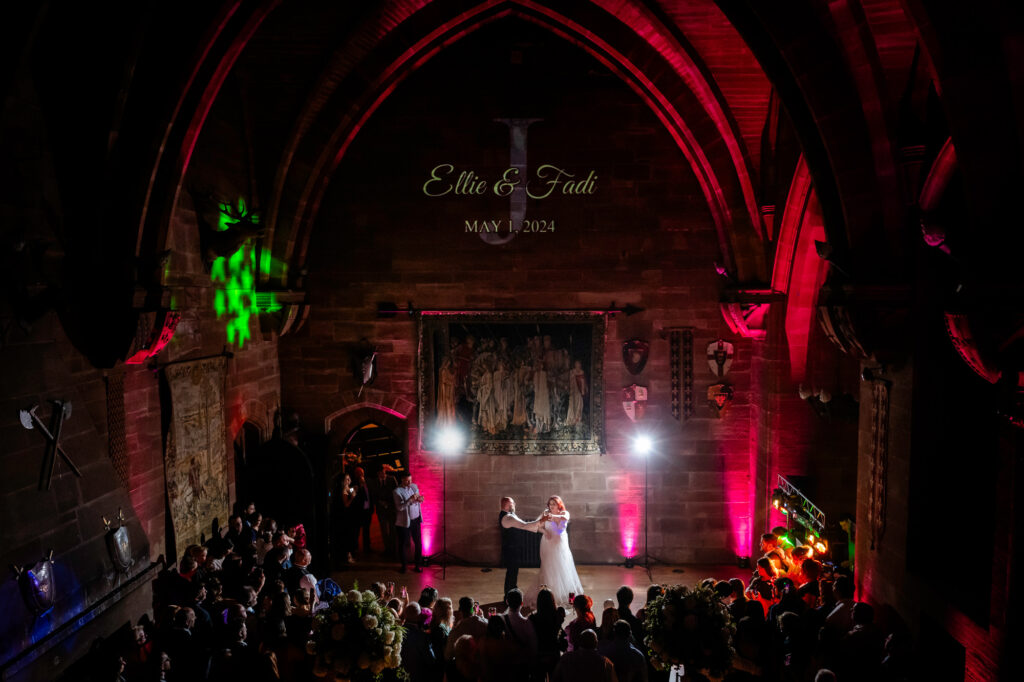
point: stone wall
(644, 237)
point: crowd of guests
(241, 607)
(797, 619)
(238, 607)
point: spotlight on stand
(630, 561)
(450, 441)
(642, 444)
(743, 562)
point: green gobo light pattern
(234, 279)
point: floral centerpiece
(689, 627)
(356, 638)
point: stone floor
(485, 584)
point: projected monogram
(515, 183)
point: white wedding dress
(557, 568)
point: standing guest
(441, 622)
(496, 654)
(585, 620)
(519, 628)
(862, 647)
(609, 617)
(409, 522)
(382, 489)
(428, 597)
(298, 576)
(630, 663)
(468, 622)
(417, 655)
(238, 533)
(363, 509)
(584, 664)
(265, 539)
(739, 599)
(462, 665)
(343, 512)
(624, 599)
(547, 623)
(840, 620)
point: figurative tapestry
(516, 383)
(195, 461)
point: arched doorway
(366, 437)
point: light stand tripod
(450, 442)
(643, 446)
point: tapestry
(195, 458)
(681, 371)
(514, 383)
(879, 471)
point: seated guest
(583, 663)
(468, 622)
(630, 663)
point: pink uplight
(628, 491)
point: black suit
(513, 544)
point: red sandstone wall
(644, 238)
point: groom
(513, 539)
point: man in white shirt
(409, 522)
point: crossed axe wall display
(30, 420)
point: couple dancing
(557, 568)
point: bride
(557, 568)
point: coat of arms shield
(634, 355)
(634, 401)
(720, 357)
(720, 398)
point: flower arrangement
(689, 627)
(356, 638)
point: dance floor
(599, 581)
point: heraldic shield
(720, 354)
(720, 398)
(119, 544)
(38, 589)
(634, 401)
(634, 355)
